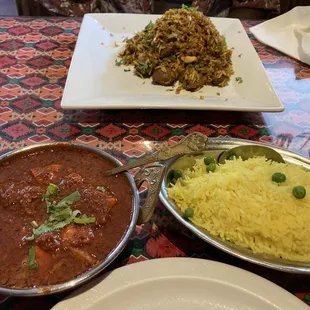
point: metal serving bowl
(153, 175)
(215, 148)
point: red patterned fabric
(35, 55)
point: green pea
(231, 156)
(208, 160)
(189, 212)
(278, 177)
(211, 167)
(177, 174)
(299, 192)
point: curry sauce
(59, 215)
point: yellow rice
(240, 203)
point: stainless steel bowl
(153, 175)
(215, 148)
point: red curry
(59, 215)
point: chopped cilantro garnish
(119, 62)
(60, 216)
(189, 8)
(149, 26)
(127, 70)
(143, 70)
(31, 262)
(222, 44)
(142, 66)
(67, 201)
(53, 225)
(84, 220)
(239, 79)
(100, 188)
(50, 191)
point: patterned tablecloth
(35, 54)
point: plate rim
(276, 104)
(167, 268)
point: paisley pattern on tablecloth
(35, 55)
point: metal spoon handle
(194, 142)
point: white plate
(95, 82)
(181, 284)
(288, 33)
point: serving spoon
(195, 143)
(249, 151)
(192, 143)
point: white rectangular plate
(95, 82)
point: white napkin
(289, 33)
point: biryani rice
(240, 203)
(182, 45)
